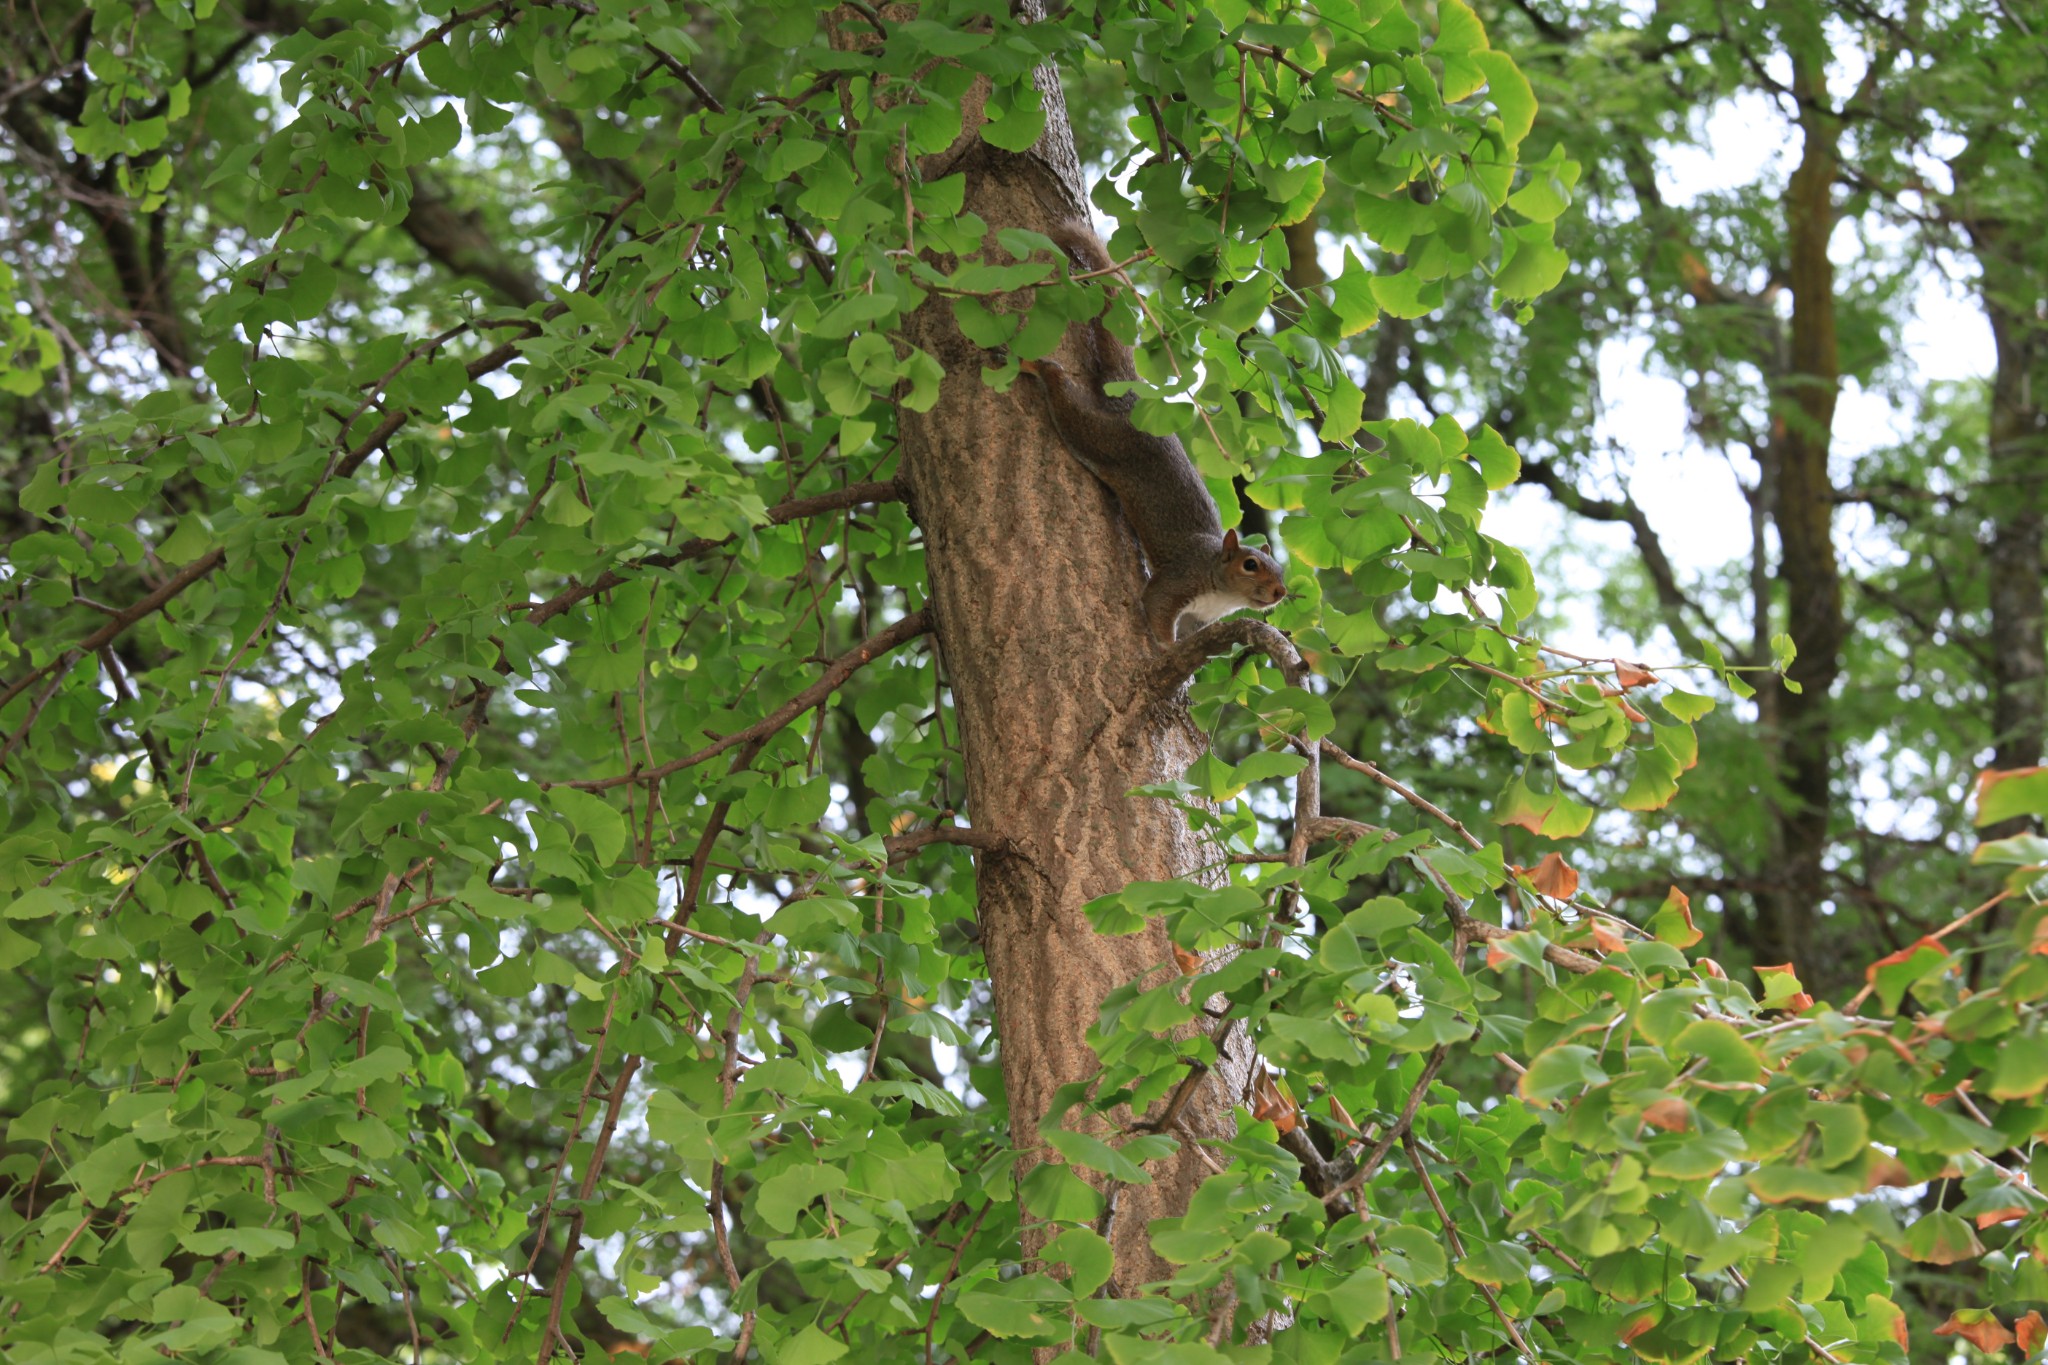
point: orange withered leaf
(1978, 1326)
(1632, 675)
(1270, 1103)
(1672, 1115)
(1711, 968)
(1555, 878)
(1190, 963)
(1888, 1171)
(1606, 939)
(2029, 1332)
(1993, 1217)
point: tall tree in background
(1911, 641)
(582, 772)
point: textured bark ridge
(1035, 582)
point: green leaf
(1496, 1263)
(784, 1195)
(1941, 1238)
(1087, 1254)
(1084, 1149)
(39, 902)
(1896, 973)
(2011, 795)
(1727, 1057)
(1354, 1303)
(2021, 1071)
(1000, 1314)
(1499, 464)
(594, 819)
(1560, 1072)
(1412, 1255)
(1015, 126)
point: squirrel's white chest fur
(1207, 607)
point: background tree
(583, 772)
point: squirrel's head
(1249, 573)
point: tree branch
(901, 846)
(1402, 790)
(1663, 576)
(835, 675)
(1176, 665)
(453, 240)
(853, 495)
(119, 621)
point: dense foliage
(486, 869)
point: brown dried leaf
(1270, 1104)
(1555, 878)
(1190, 963)
(1632, 675)
(1672, 1115)
(1978, 1326)
(2030, 1331)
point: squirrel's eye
(1251, 565)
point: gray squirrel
(1200, 572)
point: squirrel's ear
(1230, 541)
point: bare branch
(901, 846)
(1400, 789)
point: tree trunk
(2014, 503)
(1034, 582)
(1803, 510)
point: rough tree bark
(1035, 582)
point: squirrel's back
(1196, 568)
(1163, 496)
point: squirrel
(1199, 571)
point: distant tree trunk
(1803, 509)
(2014, 502)
(1035, 582)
